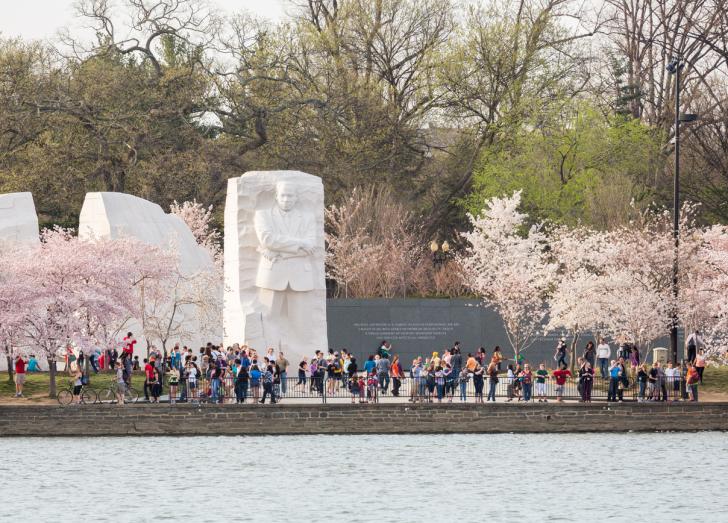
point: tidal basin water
(403, 478)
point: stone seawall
(189, 420)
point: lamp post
(439, 252)
(674, 67)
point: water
(462, 478)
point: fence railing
(369, 389)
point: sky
(41, 19)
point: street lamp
(674, 66)
(439, 252)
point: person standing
(498, 357)
(175, 357)
(397, 373)
(615, 377)
(471, 363)
(692, 379)
(456, 362)
(241, 383)
(282, 363)
(129, 343)
(383, 366)
(156, 386)
(463, 378)
(478, 382)
(561, 375)
(510, 376)
(369, 365)
(33, 365)
(20, 364)
(700, 364)
(440, 383)
(661, 385)
(586, 378)
(255, 377)
(94, 355)
(77, 385)
(148, 376)
(173, 384)
(642, 378)
(603, 355)
(492, 381)
(267, 380)
(590, 353)
(120, 383)
(652, 385)
(113, 358)
(694, 342)
(560, 354)
(541, 375)
(302, 369)
(526, 377)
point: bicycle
(109, 395)
(88, 396)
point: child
(541, 375)
(561, 375)
(372, 384)
(354, 388)
(362, 389)
(509, 382)
(173, 383)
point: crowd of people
(240, 373)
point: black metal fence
(371, 390)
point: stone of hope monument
(275, 291)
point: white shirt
(603, 351)
(695, 339)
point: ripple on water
(383, 478)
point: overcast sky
(42, 18)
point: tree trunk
(87, 369)
(572, 360)
(9, 358)
(52, 375)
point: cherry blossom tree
(508, 266)
(190, 300)
(199, 220)
(580, 299)
(66, 289)
(710, 287)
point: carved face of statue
(286, 196)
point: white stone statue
(275, 294)
(115, 215)
(18, 219)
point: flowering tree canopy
(68, 290)
(508, 266)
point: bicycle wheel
(107, 396)
(131, 396)
(88, 396)
(65, 397)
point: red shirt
(129, 347)
(20, 366)
(561, 376)
(149, 371)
